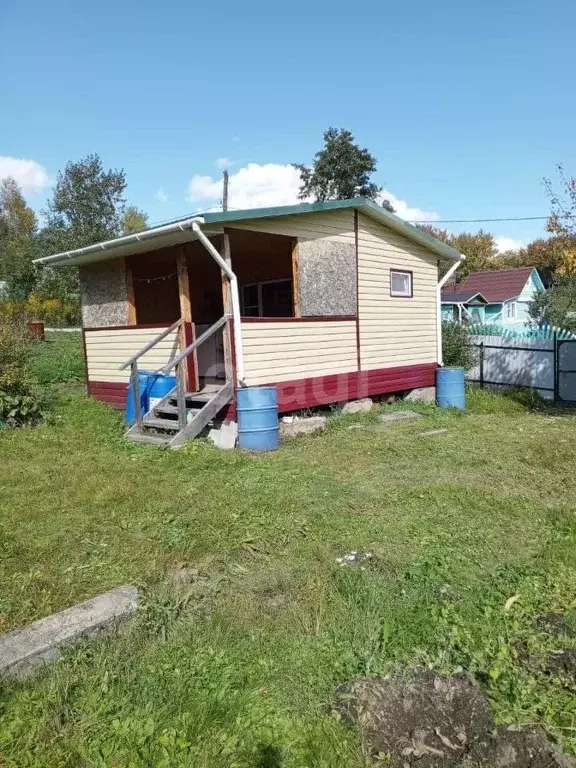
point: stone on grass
(24, 650)
(358, 406)
(424, 719)
(399, 416)
(355, 558)
(422, 395)
(302, 426)
(224, 435)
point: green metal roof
(176, 231)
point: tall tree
(478, 247)
(562, 196)
(134, 220)
(341, 170)
(18, 243)
(557, 305)
(87, 204)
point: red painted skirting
(309, 393)
(110, 392)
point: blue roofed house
(496, 297)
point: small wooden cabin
(328, 302)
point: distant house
(499, 297)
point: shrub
(51, 311)
(456, 348)
(18, 403)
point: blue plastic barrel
(158, 387)
(450, 392)
(143, 384)
(257, 409)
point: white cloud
(261, 186)
(161, 195)
(30, 175)
(507, 244)
(254, 186)
(404, 211)
(222, 163)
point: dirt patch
(554, 624)
(429, 720)
(562, 664)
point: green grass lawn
(238, 669)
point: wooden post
(225, 192)
(296, 279)
(132, 320)
(481, 365)
(186, 315)
(136, 393)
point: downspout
(439, 287)
(234, 295)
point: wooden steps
(161, 427)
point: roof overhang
(181, 231)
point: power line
(480, 221)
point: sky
(466, 105)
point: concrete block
(399, 416)
(224, 435)
(302, 426)
(23, 650)
(422, 395)
(358, 406)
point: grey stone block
(302, 426)
(224, 435)
(22, 650)
(422, 395)
(358, 406)
(399, 416)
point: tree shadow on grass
(269, 757)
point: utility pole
(225, 192)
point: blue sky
(465, 105)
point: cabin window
(269, 299)
(401, 283)
(511, 311)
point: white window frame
(511, 310)
(402, 294)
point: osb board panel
(104, 293)
(327, 278)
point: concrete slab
(358, 406)
(421, 395)
(302, 426)
(399, 416)
(23, 650)
(224, 435)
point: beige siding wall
(331, 225)
(394, 331)
(106, 350)
(284, 351)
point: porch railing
(177, 362)
(132, 363)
